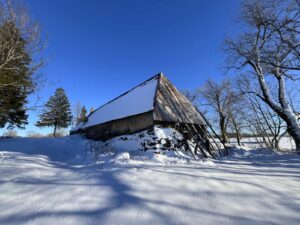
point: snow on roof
(138, 100)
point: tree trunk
(294, 132)
(290, 118)
(237, 132)
(238, 138)
(223, 129)
(292, 126)
(54, 132)
(297, 142)
(275, 143)
(285, 112)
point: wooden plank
(172, 106)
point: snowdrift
(70, 149)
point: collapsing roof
(156, 95)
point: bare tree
(264, 123)
(236, 118)
(219, 98)
(258, 118)
(10, 133)
(76, 113)
(34, 134)
(25, 31)
(79, 114)
(192, 96)
(269, 48)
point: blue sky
(99, 49)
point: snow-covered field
(55, 181)
(285, 143)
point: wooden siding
(128, 125)
(171, 106)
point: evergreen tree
(15, 79)
(82, 116)
(20, 45)
(57, 112)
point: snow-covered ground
(285, 143)
(56, 181)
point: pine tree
(20, 48)
(16, 81)
(57, 112)
(82, 117)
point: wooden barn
(154, 102)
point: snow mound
(160, 146)
(157, 139)
(71, 149)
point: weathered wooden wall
(128, 125)
(171, 106)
